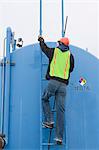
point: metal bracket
(7, 62)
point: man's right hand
(40, 38)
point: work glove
(40, 38)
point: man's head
(64, 41)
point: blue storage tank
(23, 87)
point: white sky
(23, 17)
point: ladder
(47, 135)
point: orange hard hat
(64, 40)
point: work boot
(58, 141)
(2, 143)
(48, 125)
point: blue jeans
(57, 89)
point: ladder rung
(48, 128)
(43, 79)
(51, 144)
(45, 144)
(54, 110)
(44, 63)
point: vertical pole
(3, 86)
(40, 17)
(62, 18)
(13, 42)
(41, 79)
(14, 45)
(7, 84)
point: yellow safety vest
(60, 64)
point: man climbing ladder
(61, 64)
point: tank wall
(26, 87)
(82, 111)
(24, 129)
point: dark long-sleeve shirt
(49, 52)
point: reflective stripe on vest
(60, 64)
